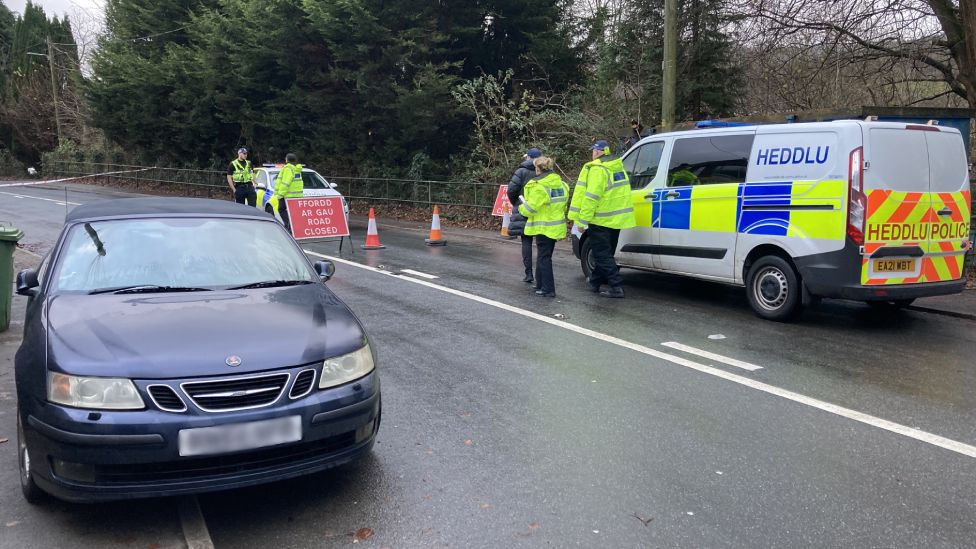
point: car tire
(587, 262)
(773, 289)
(32, 492)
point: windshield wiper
(147, 288)
(271, 284)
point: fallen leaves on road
(534, 526)
(468, 442)
(154, 546)
(362, 534)
(2, 440)
(13, 523)
(486, 506)
(644, 521)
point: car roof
(162, 207)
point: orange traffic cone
(436, 239)
(372, 237)
(506, 223)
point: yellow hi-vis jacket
(602, 195)
(544, 208)
(242, 171)
(289, 182)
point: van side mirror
(325, 269)
(26, 282)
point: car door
(636, 245)
(262, 188)
(699, 203)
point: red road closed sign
(501, 202)
(317, 217)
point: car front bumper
(77, 455)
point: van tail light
(857, 201)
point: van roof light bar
(932, 123)
(871, 118)
(721, 124)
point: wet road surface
(503, 430)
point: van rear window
(947, 162)
(898, 160)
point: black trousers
(543, 263)
(527, 254)
(603, 242)
(283, 212)
(244, 194)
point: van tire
(587, 262)
(773, 289)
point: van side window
(642, 164)
(709, 160)
(263, 179)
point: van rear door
(950, 196)
(914, 179)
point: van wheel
(773, 289)
(587, 261)
(32, 492)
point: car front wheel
(32, 492)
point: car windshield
(177, 253)
(313, 180)
(310, 179)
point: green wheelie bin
(9, 236)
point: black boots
(614, 291)
(593, 286)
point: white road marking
(58, 202)
(861, 417)
(420, 274)
(713, 356)
(194, 526)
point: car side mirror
(325, 269)
(26, 282)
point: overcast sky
(92, 8)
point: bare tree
(907, 51)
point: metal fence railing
(375, 189)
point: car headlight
(100, 393)
(346, 368)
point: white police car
(315, 185)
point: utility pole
(670, 63)
(54, 87)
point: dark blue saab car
(174, 346)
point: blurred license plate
(240, 436)
(894, 265)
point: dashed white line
(420, 274)
(861, 417)
(712, 356)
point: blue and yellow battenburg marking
(805, 209)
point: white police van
(863, 210)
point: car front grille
(237, 393)
(303, 384)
